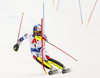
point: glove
(16, 47)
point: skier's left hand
(16, 47)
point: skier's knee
(34, 57)
(47, 57)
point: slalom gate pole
(61, 50)
(42, 24)
(20, 27)
(43, 20)
(58, 4)
(42, 43)
(53, 4)
(80, 12)
(92, 12)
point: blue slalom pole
(80, 12)
(43, 19)
(58, 4)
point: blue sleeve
(22, 39)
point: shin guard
(56, 63)
(46, 64)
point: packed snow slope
(63, 28)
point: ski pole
(92, 12)
(39, 38)
(61, 50)
(20, 27)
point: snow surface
(63, 28)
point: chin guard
(38, 37)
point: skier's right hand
(16, 47)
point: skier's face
(38, 33)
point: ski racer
(35, 47)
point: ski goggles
(37, 32)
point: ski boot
(52, 71)
(65, 70)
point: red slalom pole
(42, 43)
(92, 12)
(20, 27)
(61, 50)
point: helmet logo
(38, 28)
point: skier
(35, 46)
